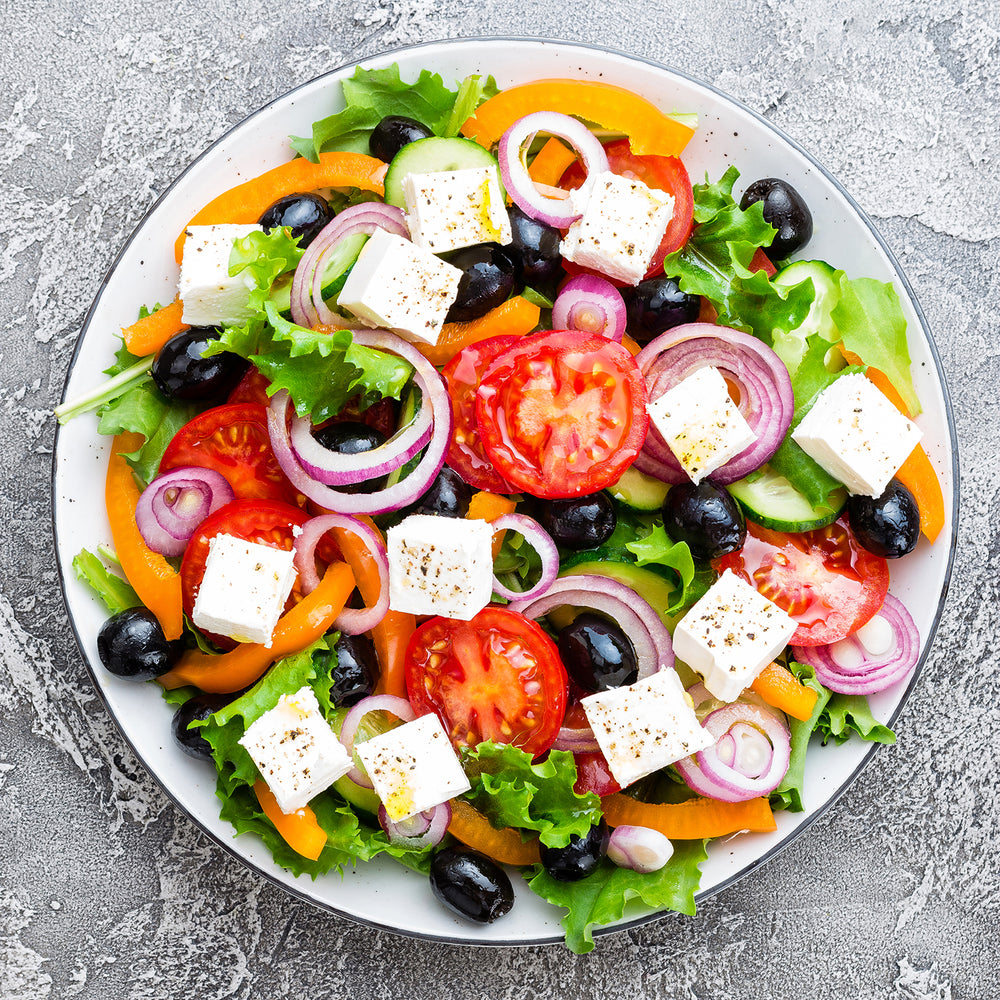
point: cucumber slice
(338, 266)
(640, 492)
(771, 501)
(790, 345)
(430, 156)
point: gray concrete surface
(107, 892)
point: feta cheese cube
(622, 224)
(209, 294)
(440, 566)
(857, 435)
(413, 767)
(731, 634)
(450, 209)
(700, 423)
(295, 750)
(645, 726)
(244, 589)
(398, 285)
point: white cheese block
(440, 565)
(244, 589)
(855, 433)
(731, 634)
(645, 726)
(622, 224)
(451, 209)
(413, 767)
(295, 750)
(396, 284)
(209, 294)
(700, 423)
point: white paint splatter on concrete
(21, 974)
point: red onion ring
(874, 672)
(591, 304)
(766, 399)
(576, 740)
(514, 170)
(541, 541)
(425, 829)
(399, 707)
(172, 506)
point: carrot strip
(779, 687)
(551, 162)
(515, 317)
(300, 829)
(474, 830)
(695, 819)
(149, 334)
(151, 576)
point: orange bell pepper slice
(155, 581)
(308, 620)
(779, 687)
(246, 202)
(515, 317)
(486, 506)
(300, 829)
(696, 819)
(474, 830)
(551, 162)
(614, 108)
(147, 335)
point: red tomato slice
(252, 388)
(232, 439)
(562, 413)
(466, 454)
(497, 677)
(594, 775)
(823, 578)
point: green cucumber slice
(431, 156)
(338, 266)
(770, 500)
(637, 490)
(790, 345)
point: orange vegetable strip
(779, 687)
(516, 317)
(246, 202)
(692, 820)
(474, 830)
(151, 576)
(148, 335)
(485, 506)
(551, 162)
(300, 829)
(303, 624)
(603, 104)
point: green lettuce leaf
(116, 593)
(788, 795)
(658, 549)
(264, 257)
(849, 714)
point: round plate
(384, 894)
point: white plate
(386, 895)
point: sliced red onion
(172, 506)
(353, 621)
(576, 740)
(425, 829)
(541, 541)
(434, 398)
(765, 390)
(748, 759)
(591, 304)
(649, 636)
(399, 707)
(640, 848)
(867, 662)
(513, 146)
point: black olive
(131, 644)
(351, 437)
(305, 214)
(580, 522)
(200, 707)
(785, 210)
(597, 654)
(580, 857)
(471, 884)
(487, 280)
(658, 304)
(393, 133)
(180, 371)
(449, 495)
(357, 670)
(889, 525)
(706, 517)
(534, 249)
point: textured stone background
(107, 892)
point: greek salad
(493, 497)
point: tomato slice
(466, 454)
(823, 578)
(562, 413)
(232, 439)
(497, 677)
(252, 388)
(593, 774)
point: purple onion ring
(172, 506)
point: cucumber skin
(804, 517)
(433, 155)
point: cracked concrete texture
(107, 892)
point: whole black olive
(305, 214)
(597, 654)
(199, 708)
(393, 133)
(471, 884)
(580, 857)
(889, 525)
(487, 280)
(534, 249)
(351, 437)
(180, 371)
(131, 644)
(706, 517)
(357, 670)
(580, 522)
(785, 210)
(658, 304)
(449, 495)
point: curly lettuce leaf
(850, 714)
(264, 257)
(657, 548)
(116, 592)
